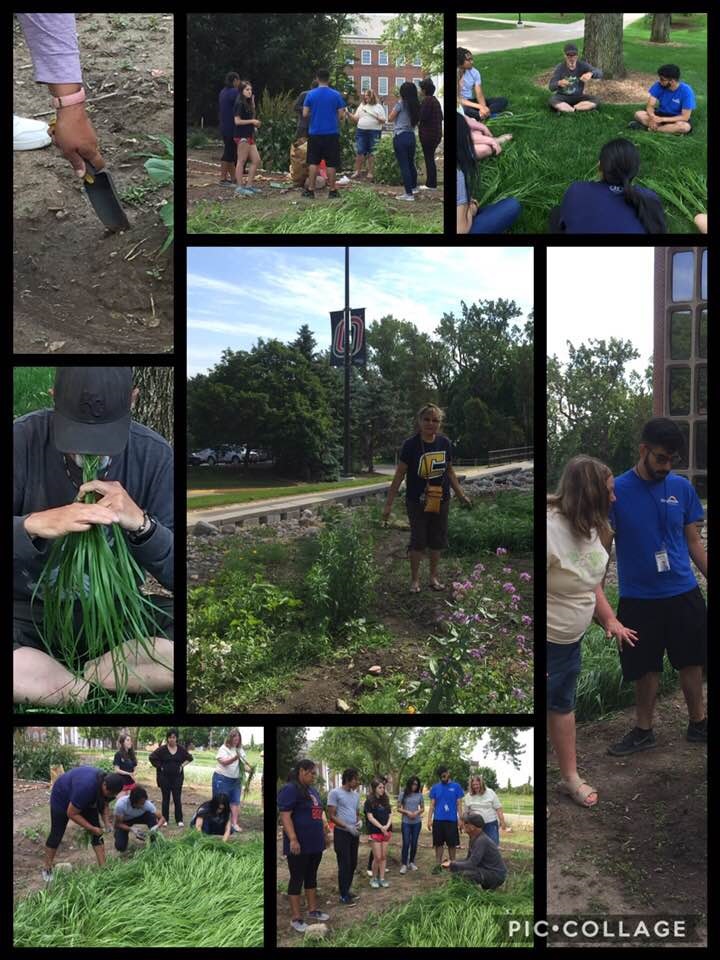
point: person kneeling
(132, 811)
(483, 864)
(213, 817)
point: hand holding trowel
(75, 137)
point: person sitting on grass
(483, 864)
(132, 811)
(568, 83)
(378, 818)
(494, 218)
(611, 204)
(472, 99)
(412, 807)
(81, 795)
(92, 414)
(213, 817)
(670, 105)
(484, 143)
(369, 119)
(246, 124)
(324, 108)
(444, 816)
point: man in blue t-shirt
(444, 816)
(670, 105)
(657, 518)
(324, 108)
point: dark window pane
(684, 428)
(680, 334)
(702, 334)
(701, 444)
(679, 396)
(703, 276)
(700, 484)
(682, 275)
(701, 390)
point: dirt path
(31, 823)
(74, 290)
(401, 889)
(642, 850)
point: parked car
(232, 453)
(207, 455)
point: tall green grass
(505, 520)
(30, 389)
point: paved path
(491, 41)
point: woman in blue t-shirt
(426, 463)
(305, 836)
(405, 116)
(611, 204)
(495, 217)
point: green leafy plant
(387, 169)
(161, 170)
(32, 759)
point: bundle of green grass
(193, 892)
(458, 914)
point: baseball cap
(570, 48)
(92, 409)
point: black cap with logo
(570, 48)
(92, 409)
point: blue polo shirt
(306, 812)
(599, 207)
(79, 786)
(324, 103)
(647, 516)
(446, 796)
(673, 102)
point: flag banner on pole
(358, 350)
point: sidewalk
(492, 41)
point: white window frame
(383, 62)
(350, 59)
(365, 84)
(400, 60)
(417, 81)
(417, 61)
(381, 81)
(399, 81)
(366, 62)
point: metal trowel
(101, 193)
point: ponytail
(619, 165)
(649, 210)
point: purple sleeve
(52, 40)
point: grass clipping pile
(192, 892)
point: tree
(488, 775)
(305, 342)
(108, 735)
(660, 32)
(291, 745)
(155, 405)
(604, 43)
(414, 35)
(381, 417)
(447, 746)
(371, 750)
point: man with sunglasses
(657, 518)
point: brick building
(680, 384)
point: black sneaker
(309, 193)
(349, 900)
(633, 742)
(697, 732)
(333, 194)
(636, 125)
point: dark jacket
(169, 765)
(431, 120)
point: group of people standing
(320, 110)
(308, 828)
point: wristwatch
(145, 529)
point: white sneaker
(180, 823)
(370, 873)
(29, 134)
(416, 190)
(413, 866)
(403, 869)
(47, 875)
(405, 196)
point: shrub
(277, 130)
(507, 519)
(32, 759)
(199, 139)
(387, 169)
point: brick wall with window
(371, 66)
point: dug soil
(203, 184)
(631, 89)
(31, 823)
(78, 288)
(643, 849)
(401, 890)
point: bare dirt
(203, 184)
(74, 289)
(31, 825)
(401, 889)
(632, 89)
(643, 849)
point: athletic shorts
(677, 625)
(249, 140)
(658, 113)
(445, 832)
(380, 837)
(572, 98)
(26, 634)
(230, 150)
(564, 661)
(427, 530)
(324, 146)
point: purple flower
(526, 621)
(509, 587)
(526, 577)
(520, 638)
(500, 552)
(479, 568)
(507, 569)
(518, 694)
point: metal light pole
(346, 457)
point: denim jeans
(496, 217)
(492, 830)
(410, 837)
(404, 146)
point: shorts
(427, 530)
(564, 661)
(445, 832)
(228, 785)
(366, 141)
(677, 625)
(25, 618)
(324, 146)
(380, 837)
(230, 150)
(572, 98)
(659, 114)
(249, 140)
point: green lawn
(30, 389)
(550, 151)
(540, 17)
(249, 492)
(465, 24)
(100, 701)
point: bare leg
(680, 126)
(562, 736)
(483, 150)
(434, 562)
(643, 117)
(254, 164)
(585, 105)
(227, 170)
(563, 107)
(38, 678)
(234, 810)
(312, 174)
(147, 669)
(415, 558)
(439, 854)
(451, 852)
(295, 908)
(358, 164)
(100, 854)
(646, 689)
(331, 178)
(691, 683)
(243, 151)
(371, 169)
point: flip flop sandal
(576, 794)
(414, 589)
(438, 587)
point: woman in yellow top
(577, 534)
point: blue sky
(237, 294)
